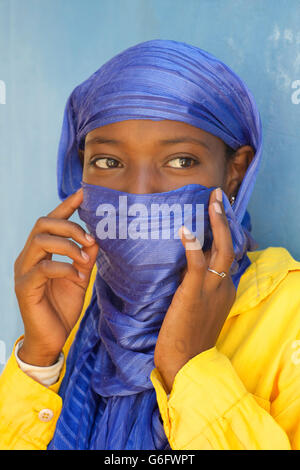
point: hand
(51, 293)
(202, 301)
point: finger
(63, 228)
(48, 269)
(86, 268)
(222, 253)
(66, 208)
(196, 265)
(44, 244)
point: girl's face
(142, 156)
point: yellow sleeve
(23, 404)
(285, 403)
(28, 410)
(210, 408)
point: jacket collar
(268, 268)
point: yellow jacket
(244, 393)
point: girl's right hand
(51, 293)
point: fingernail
(186, 232)
(81, 275)
(89, 237)
(217, 207)
(219, 194)
(194, 245)
(85, 256)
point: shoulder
(275, 268)
(272, 279)
(275, 259)
(267, 306)
(271, 266)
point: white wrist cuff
(45, 375)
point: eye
(182, 162)
(106, 163)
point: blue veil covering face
(108, 399)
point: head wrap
(109, 401)
(162, 79)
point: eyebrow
(102, 140)
(177, 140)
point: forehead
(148, 131)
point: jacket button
(46, 415)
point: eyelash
(194, 160)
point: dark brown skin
(51, 294)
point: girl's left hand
(202, 301)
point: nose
(143, 181)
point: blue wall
(47, 47)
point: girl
(155, 343)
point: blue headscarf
(109, 401)
(162, 79)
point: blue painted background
(47, 47)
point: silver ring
(222, 274)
